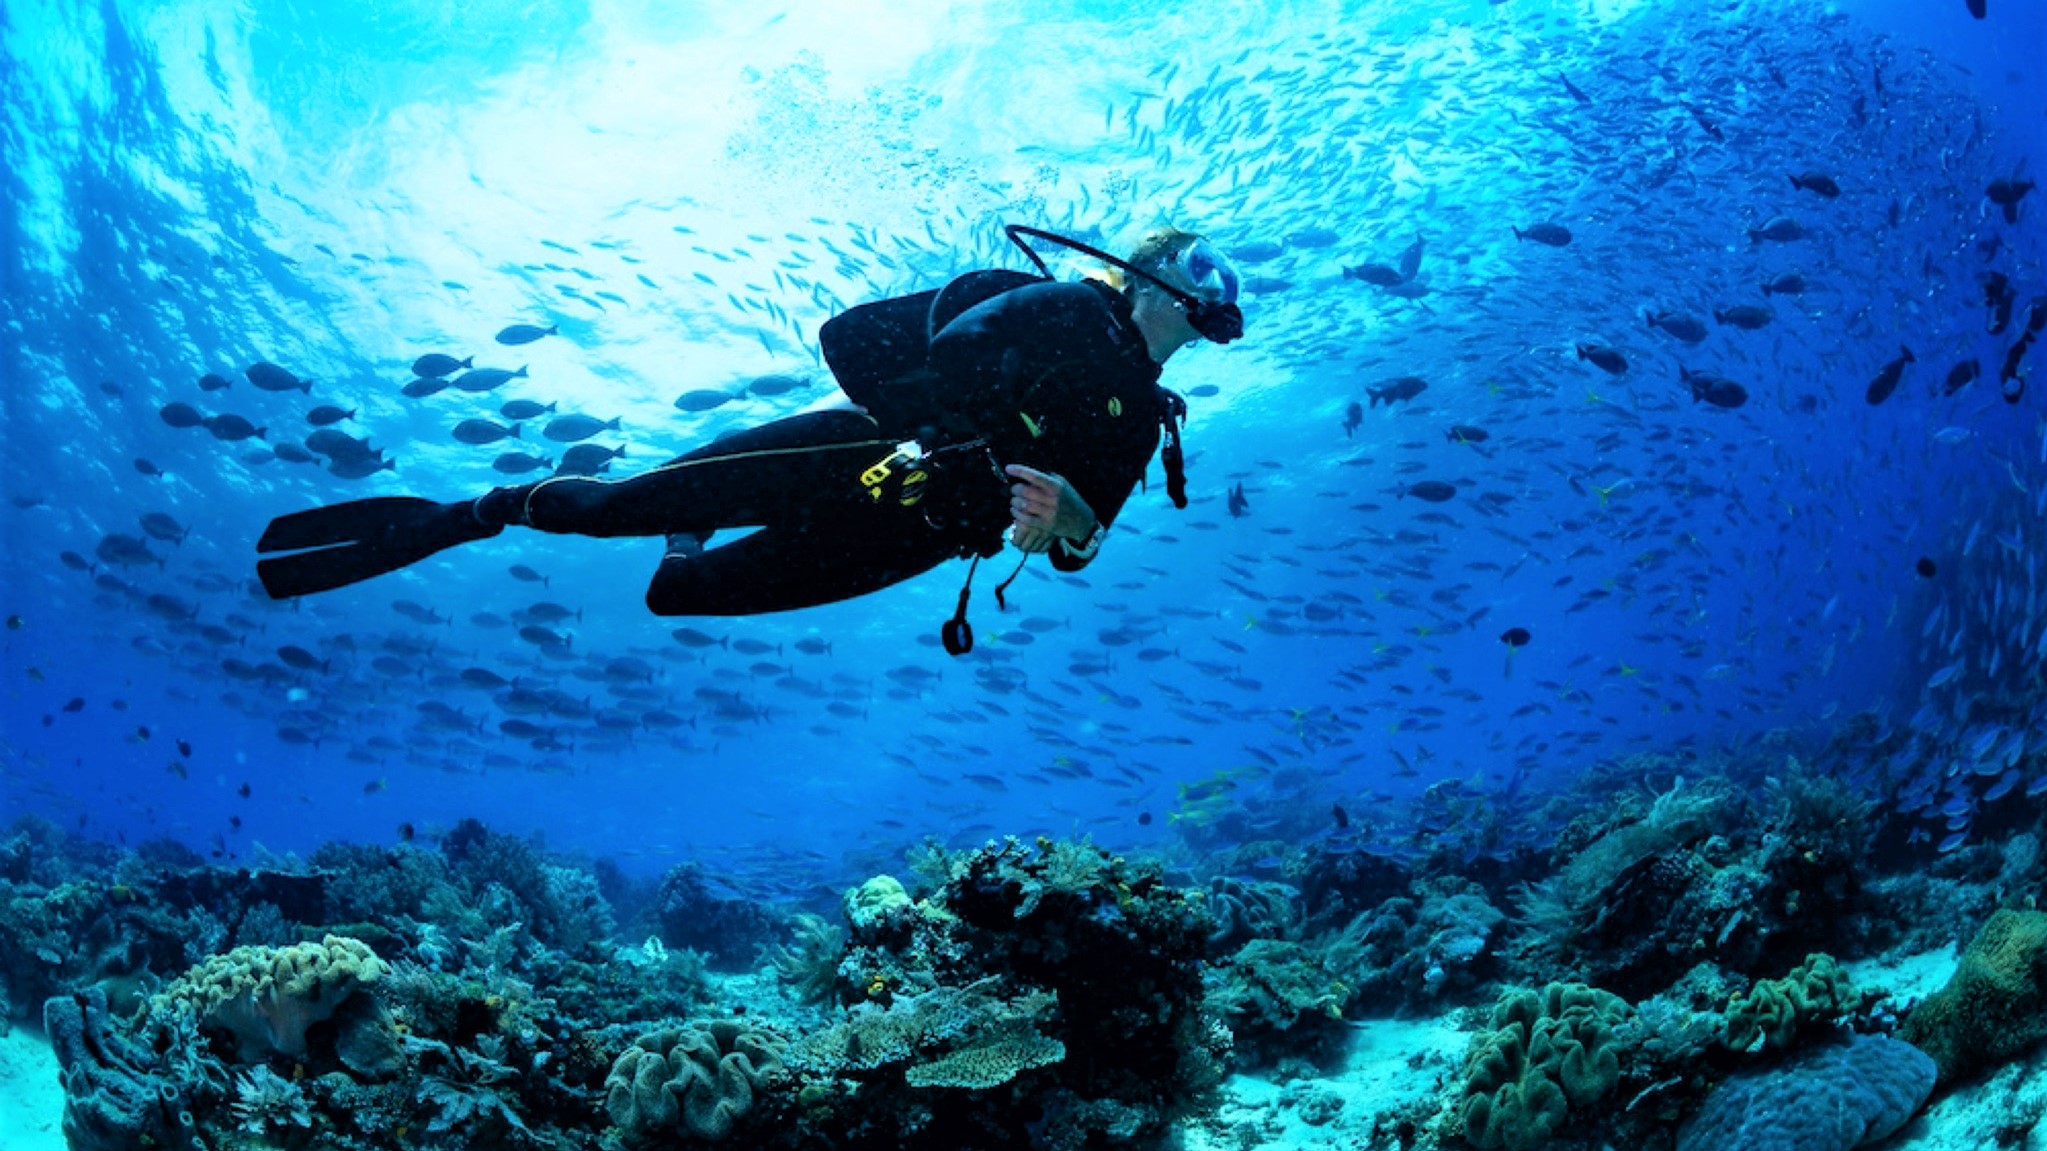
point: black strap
(1171, 453)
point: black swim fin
(348, 543)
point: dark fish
(522, 572)
(74, 706)
(185, 749)
(1580, 97)
(1748, 317)
(356, 469)
(516, 334)
(159, 526)
(271, 378)
(1434, 491)
(423, 387)
(1378, 275)
(588, 459)
(126, 551)
(2006, 194)
(298, 657)
(213, 382)
(75, 562)
(1254, 252)
(691, 637)
(525, 409)
(1342, 817)
(480, 432)
(1554, 235)
(1998, 295)
(1683, 325)
(1410, 263)
(147, 467)
(1977, 8)
(1886, 381)
(1925, 567)
(1788, 284)
(1604, 358)
(1817, 182)
(484, 379)
(1719, 391)
(771, 386)
(326, 414)
(542, 637)
(1239, 506)
(703, 400)
(1782, 229)
(1400, 388)
(570, 429)
(406, 833)
(1961, 376)
(1466, 434)
(1515, 637)
(228, 426)
(519, 463)
(434, 365)
(181, 415)
(1352, 417)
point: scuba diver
(1003, 401)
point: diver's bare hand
(1045, 508)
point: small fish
(1719, 391)
(522, 572)
(1342, 817)
(1788, 284)
(1682, 325)
(147, 467)
(231, 427)
(1466, 434)
(1239, 505)
(213, 382)
(485, 379)
(177, 769)
(1400, 388)
(373, 787)
(516, 334)
(1353, 416)
(570, 429)
(703, 400)
(1999, 297)
(2006, 194)
(1552, 235)
(1926, 567)
(525, 409)
(75, 705)
(1818, 183)
(1748, 317)
(770, 386)
(1434, 491)
(1960, 376)
(1978, 8)
(519, 463)
(181, 415)
(1781, 229)
(1378, 275)
(479, 432)
(244, 791)
(1886, 381)
(406, 832)
(271, 378)
(423, 387)
(434, 365)
(1604, 358)
(326, 414)
(159, 526)
(1515, 637)
(185, 749)
(588, 459)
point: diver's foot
(685, 545)
(501, 507)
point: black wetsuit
(1053, 376)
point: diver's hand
(1046, 509)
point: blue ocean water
(687, 197)
(1635, 397)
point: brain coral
(701, 1077)
(1548, 1051)
(268, 996)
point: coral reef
(1770, 1015)
(1995, 1005)
(266, 997)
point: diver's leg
(788, 470)
(782, 568)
